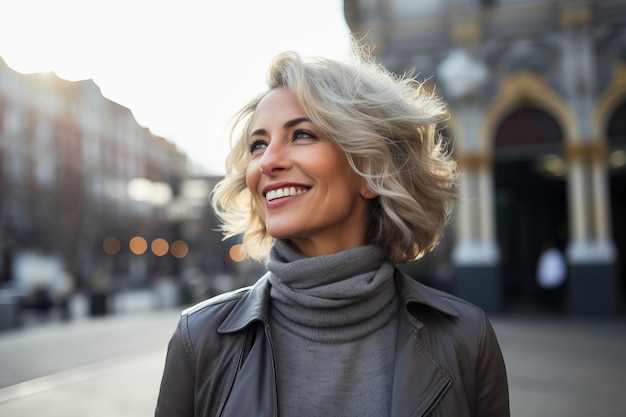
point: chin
(279, 234)
(281, 230)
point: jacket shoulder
(462, 307)
(199, 324)
(216, 301)
(426, 303)
(229, 312)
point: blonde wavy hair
(387, 127)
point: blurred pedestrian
(336, 176)
(551, 275)
(42, 301)
(62, 290)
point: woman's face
(302, 184)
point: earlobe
(367, 193)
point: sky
(183, 67)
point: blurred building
(537, 94)
(67, 158)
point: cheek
(251, 178)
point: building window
(12, 120)
(43, 132)
(44, 170)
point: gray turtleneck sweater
(333, 326)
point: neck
(320, 246)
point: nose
(275, 158)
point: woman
(336, 176)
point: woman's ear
(366, 192)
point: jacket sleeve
(493, 392)
(176, 396)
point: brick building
(67, 155)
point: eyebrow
(289, 124)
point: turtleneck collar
(331, 298)
(290, 266)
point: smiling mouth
(284, 192)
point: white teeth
(284, 192)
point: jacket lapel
(419, 382)
(254, 390)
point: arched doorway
(616, 134)
(530, 198)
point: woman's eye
(256, 145)
(303, 134)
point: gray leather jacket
(220, 360)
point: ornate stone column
(591, 254)
(593, 276)
(475, 255)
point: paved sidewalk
(564, 367)
(112, 366)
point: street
(111, 366)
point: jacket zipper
(437, 399)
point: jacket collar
(413, 292)
(253, 305)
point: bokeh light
(237, 252)
(617, 159)
(138, 245)
(111, 245)
(179, 249)
(159, 246)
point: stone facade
(537, 96)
